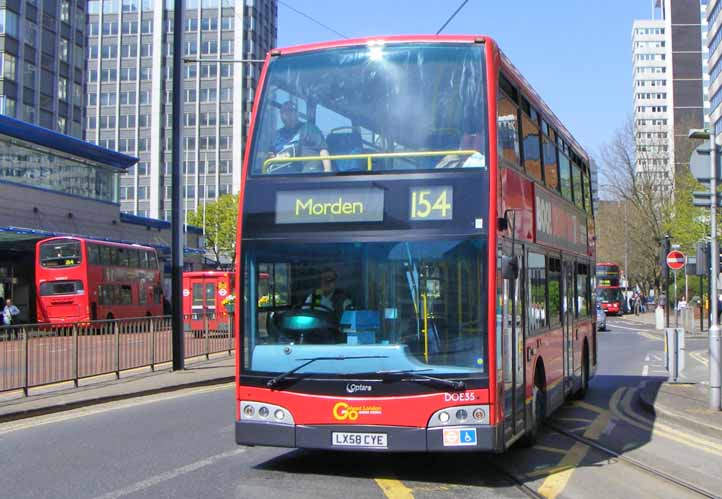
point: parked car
(601, 318)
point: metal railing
(33, 355)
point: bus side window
(126, 295)
(133, 260)
(114, 256)
(145, 259)
(93, 254)
(105, 256)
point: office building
(42, 61)
(129, 93)
(714, 39)
(668, 87)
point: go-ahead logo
(345, 412)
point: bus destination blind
(329, 206)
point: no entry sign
(675, 260)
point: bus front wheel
(538, 411)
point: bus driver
(296, 139)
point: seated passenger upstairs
(346, 143)
(298, 139)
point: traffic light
(703, 262)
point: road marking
(553, 450)
(557, 481)
(646, 358)
(170, 475)
(394, 489)
(576, 420)
(101, 408)
(645, 370)
(699, 357)
(656, 428)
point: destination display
(329, 206)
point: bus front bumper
(372, 438)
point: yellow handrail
(426, 328)
(368, 156)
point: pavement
(62, 397)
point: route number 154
(432, 203)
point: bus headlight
(459, 415)
(263, 412)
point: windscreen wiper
(281, 377)
(456, 385)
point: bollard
(659, 318)
(675, 351)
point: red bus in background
(203, 296)
(80, 279)
(415, 268)
(609, 293)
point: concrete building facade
(42, 63)
(129, 93)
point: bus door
(568, 313)
(203, 305)
(513, 346)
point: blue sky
(576, 53)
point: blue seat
(346, 143)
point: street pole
(177, 242)
(714, 332)
(676, 308)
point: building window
(225, 142)
(29, 113)
(142, 144)
(110, 28)
(209, 70)
(31, 34)
(130, 6)
(109, 51)
(209, 23)
(145, 73)
(63, 50)
(8, 23)
(65, 11)
(63, 88)
(226, 46)
(226, 94)
(143, 168)
(7, 106)
(7, 66)
(146, 26)
(191, 23)
(144, 97)
(191, 48)
(191, 71)
(127, 98)
(226, 23)
(107, 98)
(29, 75)
(146, 50)
(130, 27)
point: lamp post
(715, 375)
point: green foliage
(220, 224)
(688, 224)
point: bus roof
(97, 241)
(518, 78)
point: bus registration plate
(347, 439)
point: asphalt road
(181, 445)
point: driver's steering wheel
(327, 334)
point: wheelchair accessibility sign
(454, 437)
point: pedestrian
(10, 311)
(636, 303)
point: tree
(219, 221)
(650, 200)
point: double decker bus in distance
(425, 223)
(203, 295)
(80, 279)
(609, 293)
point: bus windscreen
(60, 254)
(387, 306)
(372, 108)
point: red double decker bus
(203, 294)
(609, 293)
(419, 225)
(81, 279)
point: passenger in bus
(327, 295)
(468, 142)
(297, 139)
